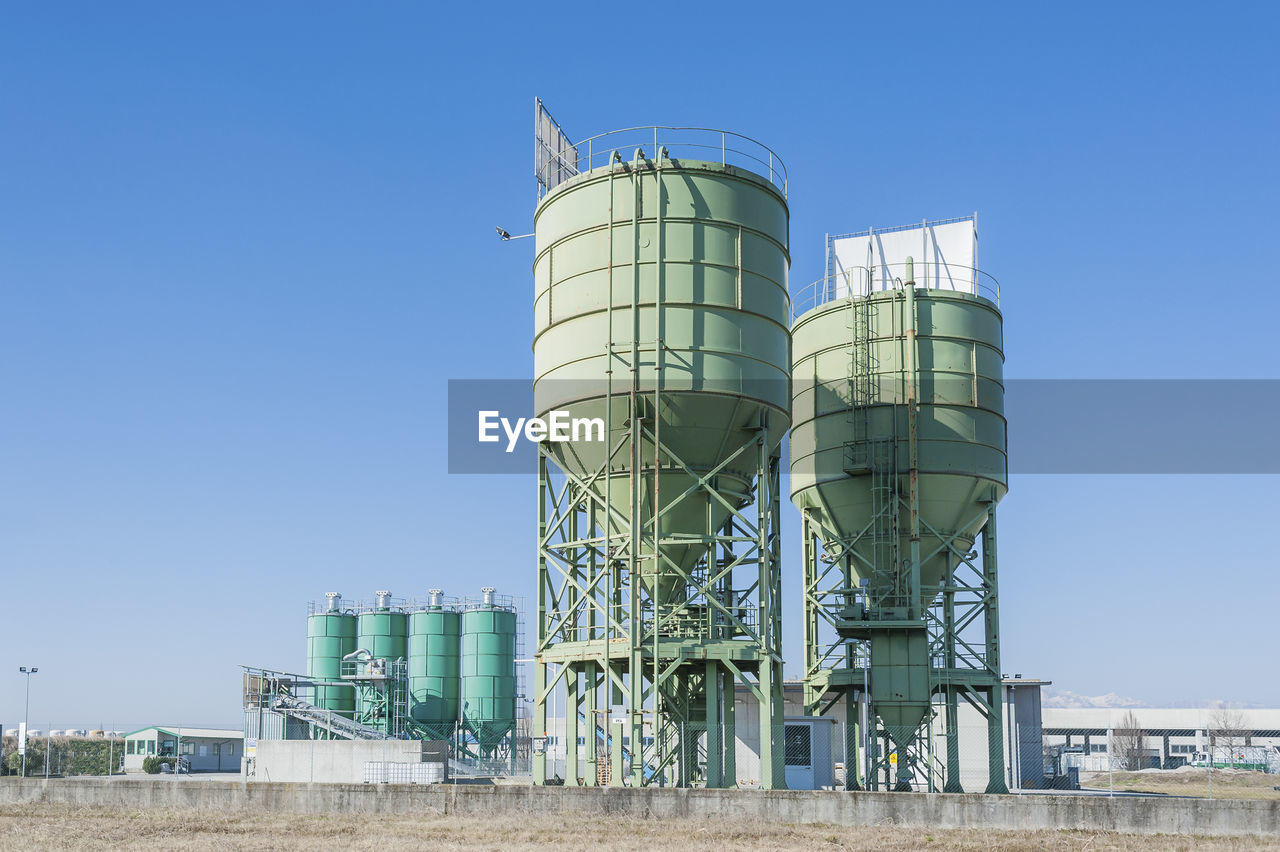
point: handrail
(861, 280)
(733, 149)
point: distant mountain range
(1066, 699)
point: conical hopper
(847, 458)
(851, 465)
(674, 269)
(700, 430)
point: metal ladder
(864, 453)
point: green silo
(661, 314)
(383, 631)
(331, 635)
(435, 640)
(488, 672)
(898, 459)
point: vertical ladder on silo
(865, 454)
(862, 365)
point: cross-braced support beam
(960, 617)
(645, 632)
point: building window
(129, 747)
(188, 748)
(1097, 748)
(151, 746)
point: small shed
(203, 749)
(807, 752)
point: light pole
(26, 712)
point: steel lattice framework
(667, 667)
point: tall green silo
(383, 631)
(435, 647)
(661, 316)
(898, 459)
(331, 635)
(488, 672)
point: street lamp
(25, 714)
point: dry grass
(29, 827)
(1227, 783)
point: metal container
(855, 365)
(384, 632)
(961, 426)
(488, 672)
(717, 300)
(331, 635)
(435, 640)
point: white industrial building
(1039, 743)
(1170, 737)
(814, 749)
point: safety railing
(862, 280)
(700, 143)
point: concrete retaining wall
(336, 761)
(1133, 815)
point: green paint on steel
(661, 310)
(961, 426)
(898, 457)
(330, 637)
(724, 340)
(384, 634)
(435, 638)
(488, 674)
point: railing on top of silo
(862, 280)
(702, 143)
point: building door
(797, 743)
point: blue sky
(243, 248)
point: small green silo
(435, 638)
(488, 672)
(331, 635)
(384, 632)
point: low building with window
(202, 749)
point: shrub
(151, 765)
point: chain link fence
(1128, 758)
(799, 754)
(50, 756)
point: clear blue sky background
(243, 247)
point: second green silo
(383, 631)
(331, 635)
(435, 639)
(488, 672)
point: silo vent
(488, 595)
(383, 599)
(335, 601)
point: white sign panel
(555, 158)
(945, 256)
(22, 738)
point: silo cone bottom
(902, 721)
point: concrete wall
(334, 761)
(1133, 815)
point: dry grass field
(1227, 783)
(33, 827)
